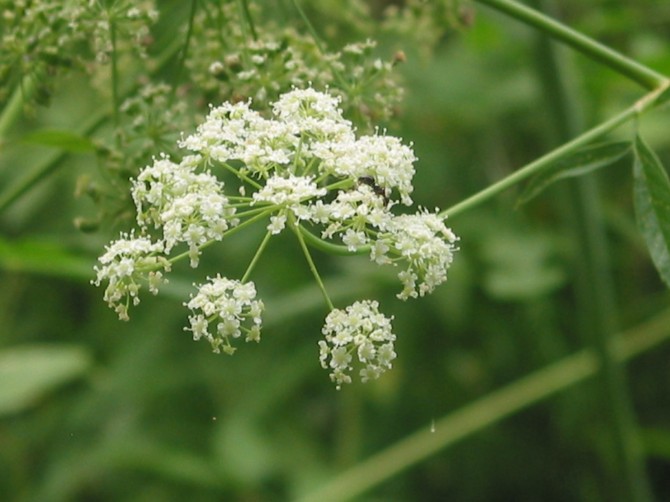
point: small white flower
(230, 307)
(288, 192)
(383, 158)
(353, 212)
(425, 244)
(128, 263)
(358, 335)
(277, 224)
(188, 206)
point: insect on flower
(379, 191)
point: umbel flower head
(126, 265)
(230, 308)
(357, 336)
(304, 169)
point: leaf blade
(61, 139)
(651, 197)
(581, 162)
(28, 373)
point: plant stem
(256, 257)
(492, 408)
(641, 74)
(246, 15)
(115, 79)
(12, 110)
(226, 234)
(646, 102)
(328, 247)
(181, 64)
(319, 45)
(594, 288)
(312, 267)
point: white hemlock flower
(427, 246)
(359, 335)
(288, 192)
(126, 265)
(189, 207)
(301, 165)
(223, 310)
(382, 158)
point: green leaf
(30, 372)
(44, 257)
(579, 163)
(63, 140)
(651, 196)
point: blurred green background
(94, 409)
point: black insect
(379, 191)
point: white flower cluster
(188, 206)
(304, 167)
(425, 243)
(127, 264)
(359, 335)
(226, 304)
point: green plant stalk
(226, 234)
(329, 247)
(312, 267)
(645, 103)
(51, 165)
(12, 110)
(256, 257)
(594, 288)
(246, 15)
(115, 79)
(319, 44)
(489, 410)
(181, 64)
(641, 74)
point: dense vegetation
(537, 371)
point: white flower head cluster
(126, 265)
(188, 206)
(229, 308)
(359, 335)
(304, 166)
(425, 243)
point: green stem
(115, 79)
(246, 15)
(312, 267)
(641, 74)
(492, 408)
(646, 102)
(43, 170)
(12, 110)
(328, 247)
(319, 45)
(595, 291)
(226, 234)
(181, 64)
(256, 257)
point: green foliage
(578, 164)
(652, 206)
(29, 373)
(496, 390)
